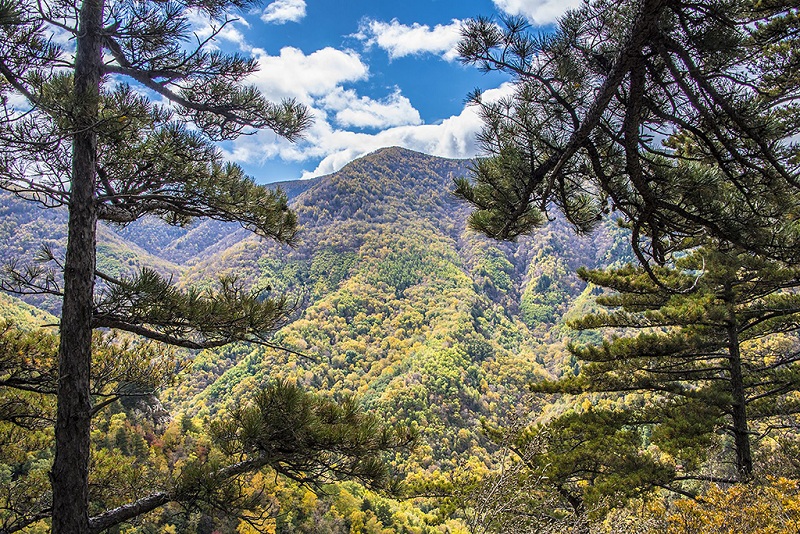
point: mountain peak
(386, 184)
(404, 153)
(382, 156)
(396, 151)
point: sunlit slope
(401, 305)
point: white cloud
(454, 137)
(537, 11)
(401, 40)
(317, 80)
(283, 11)
(293, 74)
(203, 27)
(16, 102)
(364, 112)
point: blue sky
(373, 73)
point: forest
(592, 328)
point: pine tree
(283, 429)
(582, 133)
(722, 354)
(122, 367)
(88, 141)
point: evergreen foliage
(283, 429)
(122, 368)
(720, 357)
(680, 117)
(310, 439)
(88, 141)
(583, 131)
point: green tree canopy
(87, 141)
(624, 107)
(722, 357)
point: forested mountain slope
(396, 300)
(401, 305)
(397, 303)
(26, 229)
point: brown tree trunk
(70, 472)
(741, 435)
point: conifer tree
(722, 355)
(289, 431)
(85, 139)
(122, 367)
(582, 133)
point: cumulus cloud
(364, 112)
(452, 138)
(293, 74)
(537, 11)
(204, 26)
(318, 81)
(401, 40)
(283, 11)
(334, 146)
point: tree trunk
(741, 435)
(70, 474)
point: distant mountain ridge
(393, 186)
(402, 305)
(398, 302)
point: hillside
(26, 227)
(397, 303)
(401, 305)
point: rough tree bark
(70, 472)
(741, 435)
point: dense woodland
(439, 334)
(602, 339)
